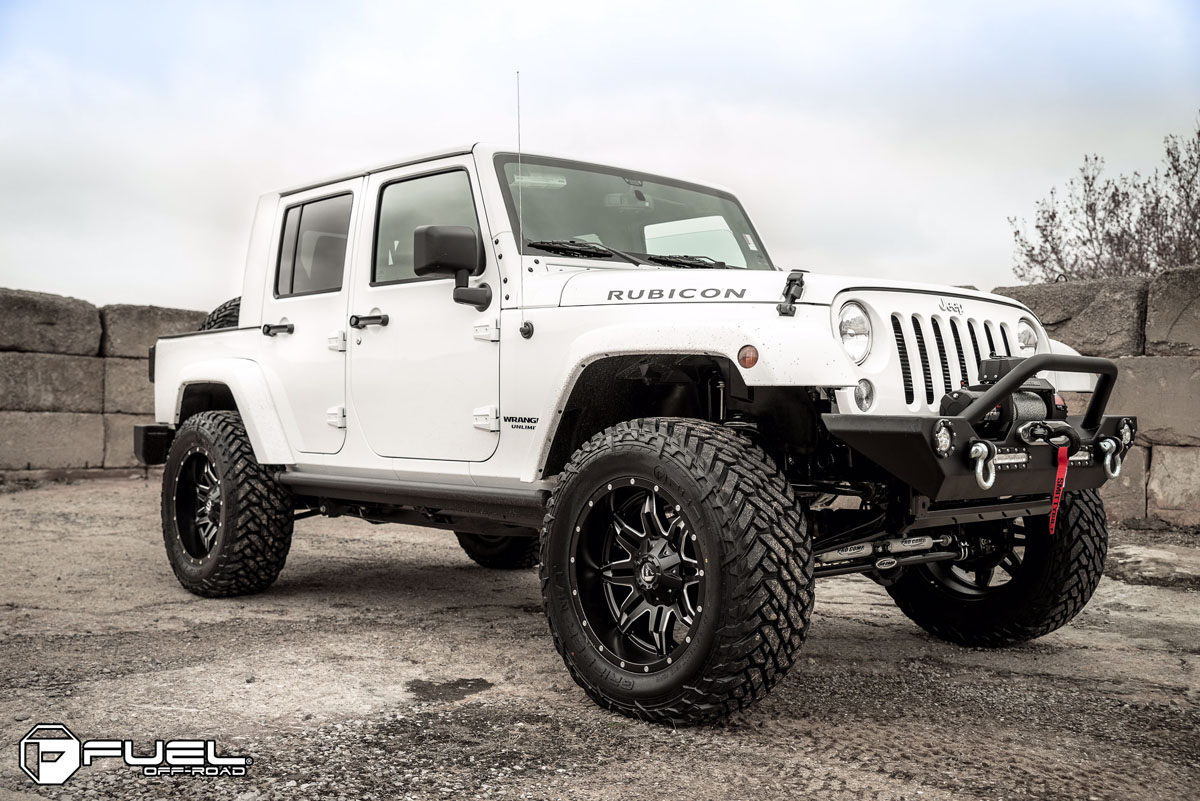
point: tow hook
(1111, 449)
(984, 455)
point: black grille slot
(974, 343)
(902, 350)
(928, 375)
(958, 348)
(1004, 336)
(987, 330)
(941, 343)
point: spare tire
(224, 316)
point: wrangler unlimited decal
(661, 294)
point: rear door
(305, 357)
(427, 384)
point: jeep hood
(635, 286)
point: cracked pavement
(385, 664)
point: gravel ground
(384, 664)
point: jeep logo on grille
(951, 307)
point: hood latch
(792, 291)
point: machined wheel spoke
(1011, 563)
(620, 572)
(211, 475)
(627, 537)
(652, 524)
(687, 611)
(633, 607)
(660, 628)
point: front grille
(928, 376)
(905, 370)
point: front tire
(227, 523)
(676, 570)
(1028, 584)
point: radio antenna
(520, 176)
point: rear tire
(224, 316)
(499, 552)
(1053, 577)
(227, 523)
(676, 570)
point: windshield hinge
(792, 290)
(489, 331)
(336, 416)
(487, 418)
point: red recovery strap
(1060, 479)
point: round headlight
(854, 328)
(1027, 338)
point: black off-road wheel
(227, 523)
(676, 570)
(1024, 582)
(224, 316)
(499, 552)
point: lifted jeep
(602, 371)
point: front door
(425, 385)
(306, 309)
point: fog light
(864, 394)
(1126, 432)
(943, 438)
(748, 356)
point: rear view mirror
(452, 250)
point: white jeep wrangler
(603, 371)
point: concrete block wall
(1151, 328)
(74, 379)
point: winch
(1034, 401)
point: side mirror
(452, 250)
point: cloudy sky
(885, 138)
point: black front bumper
(903, 445)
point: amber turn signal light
(748, 356)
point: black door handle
(278, 328)
(363, 320)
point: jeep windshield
(571, 208)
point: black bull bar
(903, 445)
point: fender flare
(783, 364)
(246, 383)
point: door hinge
(337, 341)
(489, 331)
(487, 418)
(336, 416)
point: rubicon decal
(50, 754)
(687, 293)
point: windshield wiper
(575, 247)
(702, 262)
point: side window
(312, 256)
(441, 199)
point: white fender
(1069, 382)
(245, 380)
